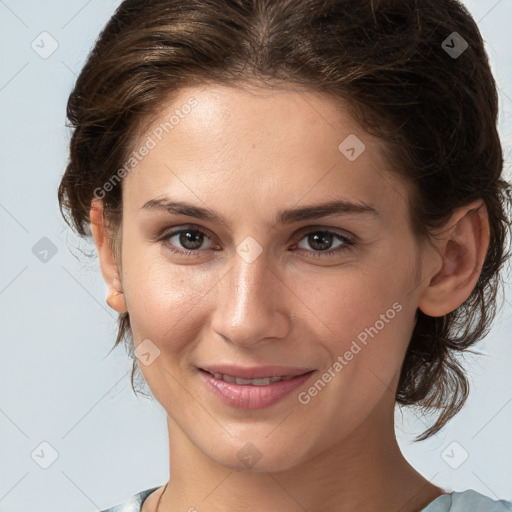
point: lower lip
(252, 397)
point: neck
(366, 471)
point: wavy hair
(386, 59)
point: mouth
(256, 375)
(248, 382)
(253, 388)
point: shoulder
(478, 502)
(132, 504)
(469, 500)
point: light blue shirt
(466, 501)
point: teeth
(238, 380)
(252, 382)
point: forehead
(260, 147)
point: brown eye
(320, 243)
(186, 240)
(191, 239)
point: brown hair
(385, 58)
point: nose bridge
(250, 306)
(247, 288)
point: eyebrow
(315, 211)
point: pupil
(187, 238)
(323, 239)
(319, 241)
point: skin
(246, 154)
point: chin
(257, 457)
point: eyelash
(348, 243)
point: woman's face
(271, 279)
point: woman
(296, 206)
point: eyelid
(176, 230)
(171, 231)
(349, 241)
(330, 229)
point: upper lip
(255, 372)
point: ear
(109, 267)
(462, 247)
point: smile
(250, 382)
(253, 393)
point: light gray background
(59, 385)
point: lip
(247, 396)
(256, 372)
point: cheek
(370, 316)
(163, 298)
(170, 303)
(371, 324)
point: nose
(253, 303)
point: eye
(191, 241)
(321, 240)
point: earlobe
(462, 247)
(116, 301)
(109, 267)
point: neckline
(147, 493)
(435, 500)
